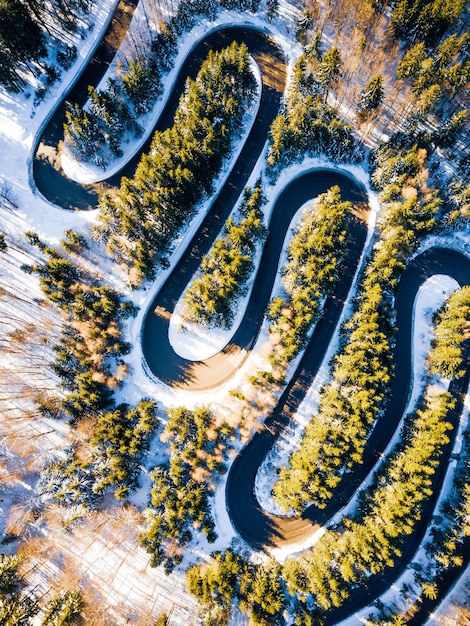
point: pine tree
(372, 95)
(329, 69)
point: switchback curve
(212, 372)
(62, 191)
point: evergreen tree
(411, 63)
(81, 132)
(372, 95)
(329, 69)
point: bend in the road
(47, 173)
(212, 372)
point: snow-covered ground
(20, 123)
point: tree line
(224, 271)
(91, 341)
(140, 221)
(445, 550)
(361, 371)
(309, 274)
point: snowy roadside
(88, 173)
(395, 596)
(20, 125)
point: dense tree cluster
(121, 438)
(442, 73)
(99, 132)
(351, 403)
(309, 126)
(89, 366)
(447, 65)
(224, 271)
(92, 336)
(313, 257)
(139, 223)
(22, 35)
(179, 497)
(21, 43)
(228, 578)
(451, 328)
(346, 556)
(424, 20)
(16, 608)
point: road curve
(47, 172)
(212, 372)
(261, 529)
(56, 187)
(427, 264)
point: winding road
(202, 375)
(255, 525)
